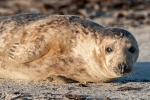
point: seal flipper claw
(28, 50)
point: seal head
(120, 51)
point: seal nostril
(123, 68)
(119, 66)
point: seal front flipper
(29, 49)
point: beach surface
(135, 86)
(133, 15)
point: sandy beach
(135, 86)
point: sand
(135, 86)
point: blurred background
(112, 13)
(133, 15)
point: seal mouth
(122, 70)
(125, 73)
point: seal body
(63, 48)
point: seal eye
(108, 49)
(132, 49)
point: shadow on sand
(141, 73)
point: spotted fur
(62, 48)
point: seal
(63, 48)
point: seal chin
(121, 73)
